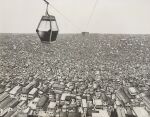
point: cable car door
(54, 30)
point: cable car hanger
(47, 3)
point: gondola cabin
(47, 29)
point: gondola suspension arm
(47, 3)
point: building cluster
(73, 98)
(78, 76)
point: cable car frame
(50, 33)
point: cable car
(47, 29)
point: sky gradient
(110, 16)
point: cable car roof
(49, 18)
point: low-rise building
(42, 101)
(2, 89)
(129, 112)
(84, 105)
(13, 105)
(21, 114)
(44, 89)
(122, 96)
(26, 110)
(3, 96)
(133, 91)
(4, 105)
(15, 91)
(121, 112)
(51, 109)
(74, 114)
(22, 104)
(146, 101)
(98, 104)
(9, 114)
(26, 90)
(58, 86)
(141, 112)
(100, 113)
(33, 93)
(33, 103)
(63, 114)
(63, 96)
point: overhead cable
(92, 13)
(67, 19)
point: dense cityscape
(95, 75)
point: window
(54, 26)
(44, 26)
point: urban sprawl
(83, 91)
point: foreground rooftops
(14, 90)
(3, 96)
(141, 112)
(100, 113)
(5, 103)
(34, 90)
(42, 101)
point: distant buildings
(85, 33)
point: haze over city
(110, 16)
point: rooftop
(14, 90)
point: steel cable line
(77, 28)
(69, 21)
(92, 13)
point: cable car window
(44, 26)
(54, 26)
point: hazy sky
(110, 16)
